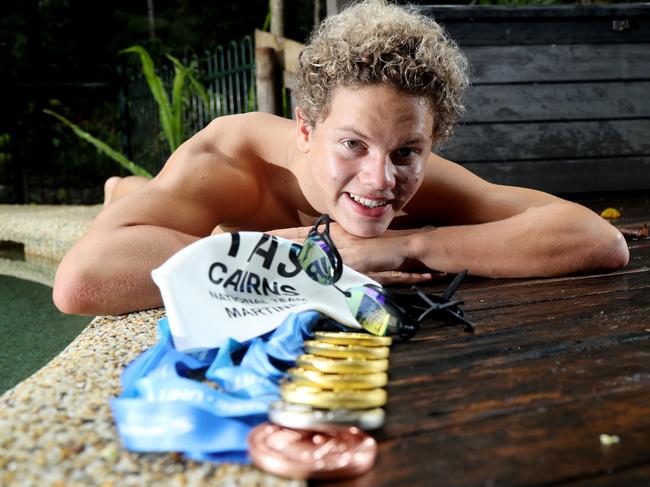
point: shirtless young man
(378, 87)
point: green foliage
(267, 20)
(120, 158)
(170, 112)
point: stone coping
(56, 426)
(46, 231)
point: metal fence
(228, 74)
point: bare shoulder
(254, 134)
(215, 177)
(452, 195)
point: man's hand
(382, 258)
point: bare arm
(505, 231)
(558, 238)
(108, 271)
(491, 230)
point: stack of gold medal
(338, 381)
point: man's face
(367, 158)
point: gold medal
(349, 338)
(341, 366)
(338, 381)
(329, 399)
(345, 351)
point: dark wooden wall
(560, 96)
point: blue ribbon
(163, 408)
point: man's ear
(304, 132)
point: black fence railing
(228, 74)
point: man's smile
(369, 202)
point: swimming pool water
(33, 331)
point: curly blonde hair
(376, 42)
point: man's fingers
(297, 234)
(401, 277)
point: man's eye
(405, 152)
(352, 144)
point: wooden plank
(266, 81)
(630, 476)
(639, 253)
(553, 24)
(446, 394)
(479, 293)
(466, 395)
(537, 354)
(634, 208)
(516, 336)
(520, 293)
(533, 448)
(289, 79)
(569, 175)
(288, 49)
(552, 63)
(473, 32)
(527, 331)
(576, 12)
(558, 102)
(549, 140)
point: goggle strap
(439, 307)
(467, 325)
(333, 254)
(347, 294)
(453, 286)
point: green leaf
(198, 88)
(158, 91)
(180, 74)
(183, 73)
(103, 147)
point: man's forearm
(108, 276)
(556, 239)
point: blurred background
(64, 56)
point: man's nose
(378, 172)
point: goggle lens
(314, 258)
(369, 308)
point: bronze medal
(334, 453)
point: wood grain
(554, 363)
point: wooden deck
(554, 363)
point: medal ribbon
(162, 408)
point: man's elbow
(73, 293)
(610, 253)
(620, 252)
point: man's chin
(366, 229)
(360, 225)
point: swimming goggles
(378, 310)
